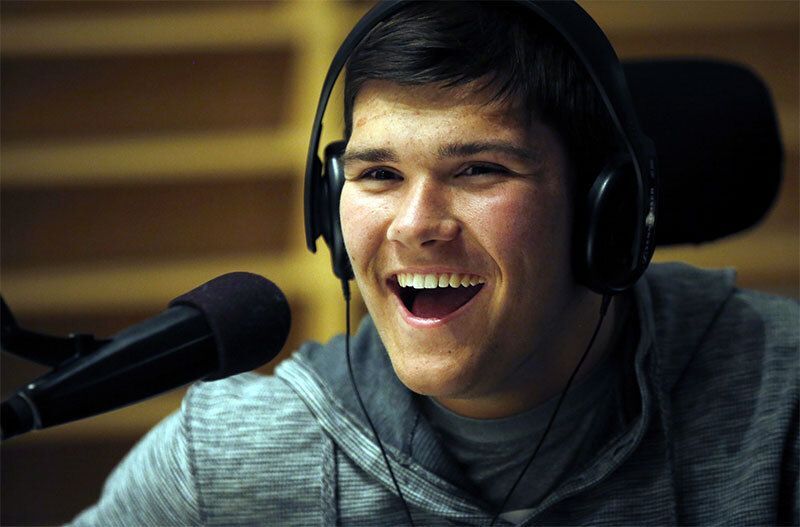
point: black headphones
(614, 236)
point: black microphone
(231, 324)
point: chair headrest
(719, 149)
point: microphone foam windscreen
(249, 316)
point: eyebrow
(387, 155)
(370, 155)
(480, 147)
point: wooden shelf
(169, 28)
(763, 258)
(156, 158)
(701, 16)
(259, 24)
(149, 285)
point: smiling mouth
(434, 296)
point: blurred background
(147, 147)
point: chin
(435, 376)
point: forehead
(392, 103)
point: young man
(472, 134)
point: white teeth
(432, 281)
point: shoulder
(746, 355)
(726, 366)
(151, 486)
(234, 452)
(247, 400)
(726, 360)
(696, 316)
(252, 443)
(239, 422)
(725, 357)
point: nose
(423, 216)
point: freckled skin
(520, 337)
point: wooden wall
(147, 147)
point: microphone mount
(48, 350)
(42, 348)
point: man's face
(457, 219)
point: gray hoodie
(711, 434)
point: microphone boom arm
(41, 348)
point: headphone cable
(346, 291)
(603, 310)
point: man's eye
(479, 170)
(379, 174)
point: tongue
(438, 303)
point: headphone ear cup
(311, 203)
(608, 245)
(328, 210)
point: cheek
(520, 218)
(361, 227)
(528, 231)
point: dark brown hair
(514, 55)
